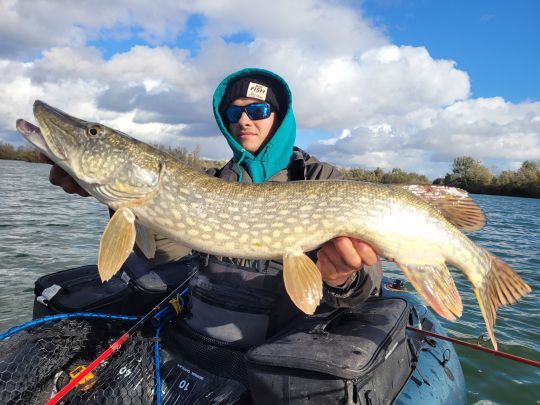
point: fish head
(110, 165)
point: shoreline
(343, 170)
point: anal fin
(303, 281)
(436, 285)
(116, 243)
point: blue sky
(376, 83)
(494, 41)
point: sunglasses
(255, 111)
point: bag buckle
(48, 293)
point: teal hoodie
(277, 153)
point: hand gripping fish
(149, 190)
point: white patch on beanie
(256, 90)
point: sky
(411, 84)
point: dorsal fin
(453, 203)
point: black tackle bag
(347, 356)
(134, 290)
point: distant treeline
(395, 176)
(28, 153)
(192, 159)
(467, 172)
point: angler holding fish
(239, 300)
(271, 218)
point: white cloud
(320, 27)
(427, 140)
(384, 105)
(486, 128)
(27, 26)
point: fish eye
(94, 130)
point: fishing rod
(523, 360)
(116, 345)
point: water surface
(43, 230)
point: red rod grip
(112, 348)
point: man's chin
(249, 145)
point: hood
(277, 153)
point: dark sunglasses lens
(253, 111)
(258, 111)
(233, 113)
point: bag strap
(321, 326)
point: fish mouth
(32, 134)
(58, 136)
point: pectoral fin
(116, 243)
(303, 281)
(436, 285)
(145, 241)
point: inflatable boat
(361, 355)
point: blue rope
(39, 321)
(157, 367)
(182, 303)
(157, 356)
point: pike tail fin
(501, 286)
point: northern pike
(150, 191)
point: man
(240, 301)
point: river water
(43, 230)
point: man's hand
(59, 177)
(341, 257)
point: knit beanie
(260, 87)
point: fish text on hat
(256, 90)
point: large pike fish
(152, 192)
